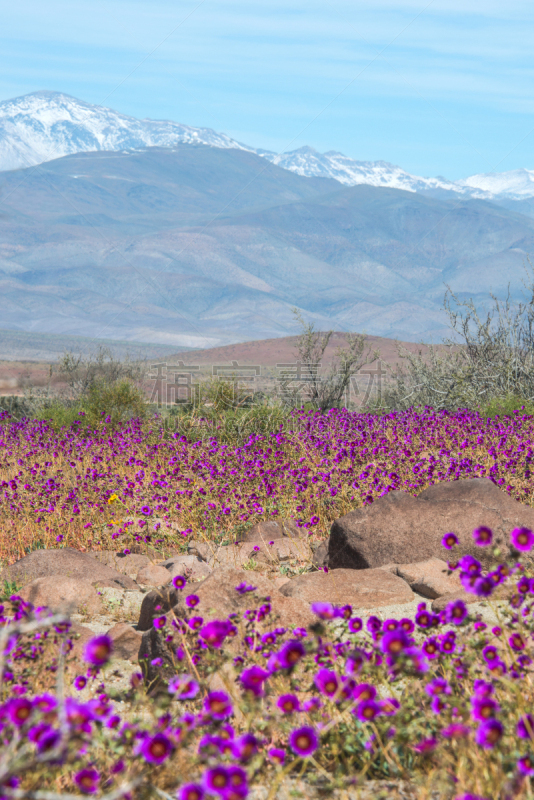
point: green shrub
(505, 406)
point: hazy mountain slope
(217, 246)
(186, 179)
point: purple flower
(288, 703)
(179, 582)
(290, 654)
(489, 733)
(483, 536)
(525, 727)
(364, 691)
(355, 661)
(327, 682)
(394, 642)
(516, 642)
(98, 650)
(87, 780)
(192, 600)
(191, 791)
(406, 625)
(243, 588)
(525, 765)
(470, 565)
(80, 682)
(215, 632)
(425, 745)
(237, 783)
(218, 705)
(159, 622)
(423, 618)
(522, 539)
(438, 704)
(430, 647)
(184, 687)
(195, 623)
(456, 612)
(437, 686)
(483, 586)
(304, 741)
(323, 610)
(277, 755)
(389, 706)
(456, 731)
(367, 710)
(216, 780)
(373, 624)
(19, 710)
(483, 708)
(155, 749)
(245, 747)
(449, 540)
(146, 510)
(355, 625)
(253, 679)
(490, 653)
(447, 643)
(483, 688)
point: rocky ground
(120, 593)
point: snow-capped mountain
(307, 161)
(43, 126)
(515, 184)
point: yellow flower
(112, 498)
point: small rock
(79, 635)
(430, 578)
(66, 562)
(442, 602)
(63, 595)
(153, 575)
(320, 556)
(281, 581)
(270, 530)
(126, 641)
(190, 566)
(201, 550)
(155, 604)
(367, 588)
(125, 563)
(218, 598)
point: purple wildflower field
(443, 701)
(68, 487)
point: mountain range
(43, 126)
(155, 232)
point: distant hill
(197, 246)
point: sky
(439, 88)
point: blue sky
(440, 88)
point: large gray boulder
(402, 529)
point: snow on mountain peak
(515, 184)
(45, 125)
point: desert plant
(80, 373)
(323, 389)
(488, 357)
